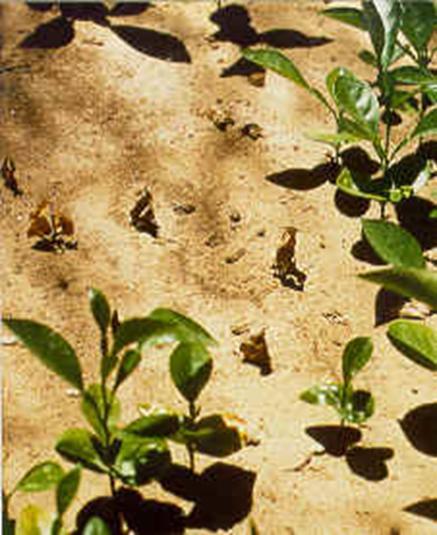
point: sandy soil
(89, 124)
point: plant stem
(190, 446)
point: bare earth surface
(93, 122)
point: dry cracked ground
(93, 111)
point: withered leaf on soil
(8, 175)
(142, 215)
(54, 230)
(285, 268)
(256, 352)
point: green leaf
(356, 98)
(190, 369)
(140, 460)
(93, 408)
(393, 244)
(368, 57)
(34, 521)
(67, 489)
(334, 140)
(359, 407)
(128, 364)
(77, 446)
(185, 329)
(327, 394)
(158, 424)
(100, 309)
(416, 341)
(382, 18)
(280, 64)
(362, 186)
(411, 75)
(347, 15)
(51, 348)
(96, 526)
(417, 22)
(427, 125)
(41, 477)
(138, 330)
(420, 284)
(355, 356)
(213, 436)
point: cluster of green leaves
(33, 520)
(135, 453)
(408, 276)
(364, 112)
(353, 406)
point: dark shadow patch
(291, 39)
(424, 508)
(335, 439)
(369, 463)
(420, 427)
(93, 11)
(128, 9)
(242, 67)
(235, 27)
(149, 517)
(305, 179)
(223, 494)
(362, 250)
(56, 33)
(349, 205)
(428, 150)
(103, 507)
(153, 43)
(413, 215)
(40, 6)
(387, 306)
(357, 160)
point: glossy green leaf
(213, 436)
(355, 356)
(128, 364)
(347, 15)
(427, 125)
(393, 244)
(93, 408)
(420, 284)
(341, 138)
(108, 363)
(186, 329)
(190, 369)
(137, 330)
(416, 341)
(280, 64)
(96, 526)
(326, 394)
(356, 98)
(411, 75)
(140, 460)
(50, 347)
(362, 186)
(99, 308)
(359, 407)
(158, 424)
(34, 521)
(417, 22)
(77, 446)
(67, 490)
(41, 477)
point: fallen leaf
(255, 352)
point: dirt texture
(92, 114)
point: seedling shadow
(420, 427)
(235, 27)
(362, 250)
(222, 494)
(424, 508)
(340, 441)
(305, 179)
(413, 215)
(59, 32)
(387, 306)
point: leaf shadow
(424, 508)
(420, 427)
(413, 215)
(335, 439)
(57, 33)
(387, 306)
(235, 27)
(362, 250)
(153, 43)
(305, 179)
(222, 494)
(350, 206)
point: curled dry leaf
(256, 352)
(285, 268)
(142, 215)
(8, 175)
(258, 78)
